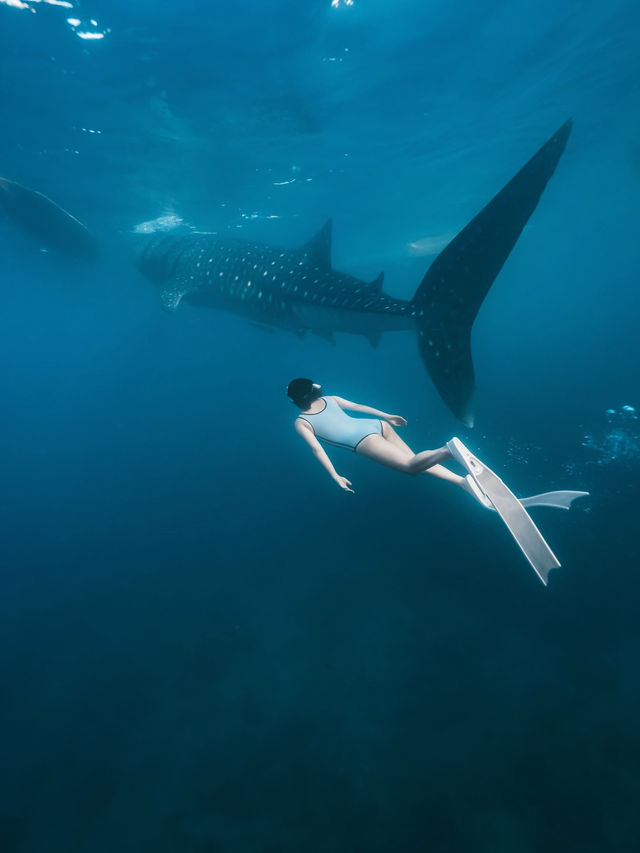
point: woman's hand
(395, 420)
(344, 484)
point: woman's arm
(396, 420)
(305, 431)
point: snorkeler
(324, 418)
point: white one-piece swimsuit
(333, 425)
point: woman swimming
(323, 418)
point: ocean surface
(204, 644)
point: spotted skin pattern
(274, 286)
(298, 290)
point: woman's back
(333, 425)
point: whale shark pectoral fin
(45, 220)
(269, 330)
(318, 249)
(170, 298)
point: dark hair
(303, 393)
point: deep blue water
(205, 646)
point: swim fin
(510, 510)
(559, 500)
(556, 500)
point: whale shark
(299, 291)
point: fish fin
(373, 338)
(268, 329)
(327, 336)
(45, 220)
(377, 283)
(170, 298)
(451, 293)
(318, 249)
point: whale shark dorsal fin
(170, 298)
(318, 249)
(377, 283)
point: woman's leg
(426, 459)
(391, 435)
(438, 471)
(385, 452)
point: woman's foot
(470, 485)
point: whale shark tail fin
(451, 293)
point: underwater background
(204, 644)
